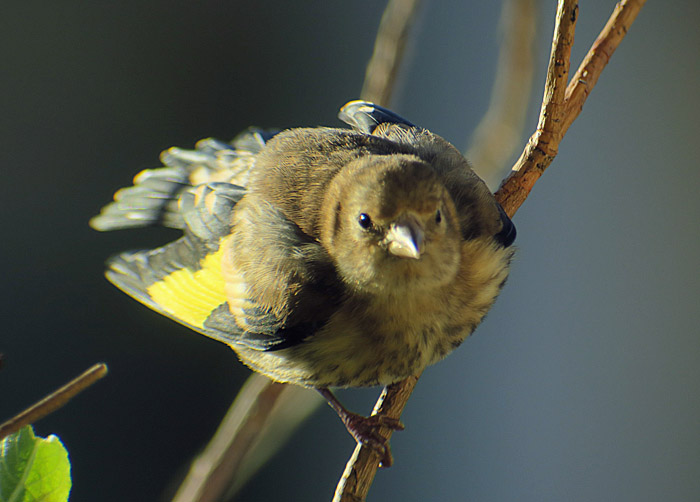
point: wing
(194, 282)
(364, 116)
(507, 235)
(153, 199)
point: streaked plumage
(322, 256)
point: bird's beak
(405, 237)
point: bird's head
(390, 223)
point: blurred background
(582, 384)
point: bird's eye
(364, 220)
(438, 216)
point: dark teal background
(583, 383)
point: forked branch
(564, 106)
(560, 107)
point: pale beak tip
(404, 251)
(406, 240)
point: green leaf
(33, 469)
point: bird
(324, 257)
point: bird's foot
(365, 431)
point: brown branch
(53, 401)
(294, 405)
(500, 130)
(261, 417)
(362, 466)
(209, 475)
(598, 56)
(388, 51)
(555, 120)
(559, 109)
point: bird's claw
(365, 431)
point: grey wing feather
(152, 200)
(365, 116)
(206, 211)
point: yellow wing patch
(191, 296)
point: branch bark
(362, 466)
(560, 107)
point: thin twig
(294, 405)
(500, 131)
(598, 56)
(544, 144)
(388, 51)
(259, 421)
(209, 475)
(53, 401)
(555, 118)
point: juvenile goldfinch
(324, 257)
